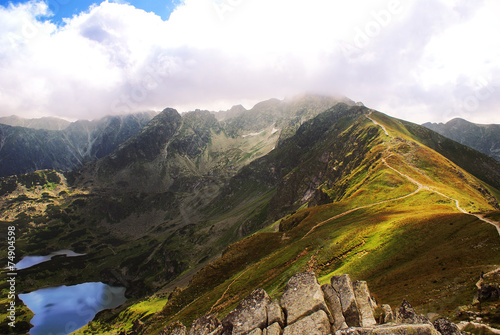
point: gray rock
(392, 329)
(364, 302)
(204, 325)
(406, 314)
(388, 315)
(333, 302)
(275, 314)
(303, 296)
(175, 328)
(256, 331)
(250, 313)
(273, 329)
(343, 286)
(314, 324)
(446, 327)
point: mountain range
(484, 138)
(195, 211)
(49, 143)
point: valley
(196, 211)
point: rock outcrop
(251, 313)
(306, 308)
(303, 296)
(364, 301)
(343, 286)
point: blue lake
(64, 309)
(29, 261)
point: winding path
(419, 185)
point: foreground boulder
(204, 325)
(388, 315)
(406, 314)
(314, 324)
(273, 329)
(302, 297)
(343, 286)
(392, 329)
(445, 327)
(364, 302)
(251, 313)
(275, 314)
(333, 302)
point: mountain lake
(64, 309)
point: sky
(425, 60)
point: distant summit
(484, 138)
(47, 123)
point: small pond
(29, 261)
(64, 309)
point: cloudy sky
(426, 60)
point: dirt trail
(227, 289)
(419, 185)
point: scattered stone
(314, 324)
(275, 314)
(413, 329)
(250, 313)
(343, 286)
(446, 327)
(406, 314)
(303, 296)
(256, 331)
(364, 302)
(204, 325)
(273, 329)
(388, 315)
(333, 302)
(175, 328)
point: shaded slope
(25, 150)
(484, 138)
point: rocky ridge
(342, 307)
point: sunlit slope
(375, 203)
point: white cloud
(423, 62)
